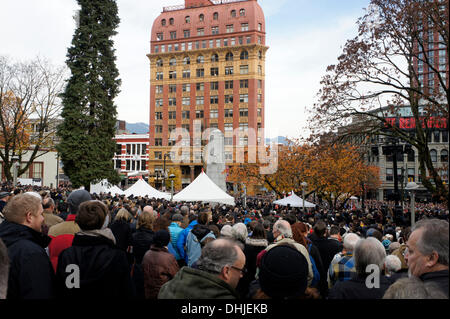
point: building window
(159, 75)
(214, 71)
(243, 69)
(199, 114)
(228, 112)
(158, 141)
(248, 39)
(243, 140)
(172, 115)
(243, 98)
(200, 59)
(186, 87)
(159, 89)
(217, 43)
(411, 155)
(444, 156)
(259, 98)
(197, 45)
(159, 62)
(200, 31)
(158, 155)
(259, 70)
(243, 112)
(187, 19)
(214, 30)
(233, 13)
(229, 56)
(172, 74)
(186, 74)
(215, 58)
(186, 101)
(189, 45)
(259, 84)
(185, 114)
(244, 55)
(444, 136)
(228, 70)
(214, 99)
(200, 86)
(230, 28)
(158, 102)
(259, 113)
(228, 141)
(215, 16)
(259, 26)
(173, 35)
(118, 164)
(200, 73)
(201, 17)
(214, 114)
(228, 98)
(389, 174)
(214, 86)
(171, 21)
(437, 136)
(243, 84)
(228, 127)
(244, 27)
(159, 36)
(199, 100)
(163, 22)
(156, 49)
(242, 12)
(158, 116)
(158, 129)
(187, 33)
(228, 85)
(243, 127)
(433, 155)
(172, 101)
(172, 88)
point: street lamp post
(171, 177)
(15, 163)
(304, 184)
(412, 186)
(164, 172)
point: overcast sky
(304, 37)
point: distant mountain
(137, 128)
(278, 140)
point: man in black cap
(4, 197)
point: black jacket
(251, 250)
(356, 288)
(122, 232)
(440, 278)
(141, 240)
(103, 269)
(31, 274)
(327, 248)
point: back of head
(284, 228)
(177, 218)
(283, 272)
(367, 252)
(334, 230)
(393, 263)
(320, 228)
(239, 232)
(91, 215)
(145, 220)
(350, 241)
(76, 198)
(413, 288)
(17, 208)
(259, 232)
(226, 231)
(161, 238)
(372, 232)
(434, 238)
(203, 218)
(217, 254)
(123, 215)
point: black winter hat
(76, 198)
(161, 238)
(283, 272)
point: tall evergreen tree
(89, 114)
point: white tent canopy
(294, 201)
(203, 189)
(142, 188)
(105, 187)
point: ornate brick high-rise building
(207, 63)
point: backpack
(316, 274)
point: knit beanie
(76, 198)
(283, 272)
(161, 238)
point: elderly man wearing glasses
(219, 269)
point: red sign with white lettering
(410, 122)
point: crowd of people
(59, 243)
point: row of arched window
(201, 17)
(201, 59)
(434, 155)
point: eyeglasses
(243, 271)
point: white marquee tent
(105, 187)
(205, 190)
(142, 188)
(294, 201)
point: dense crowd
(59, 243)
